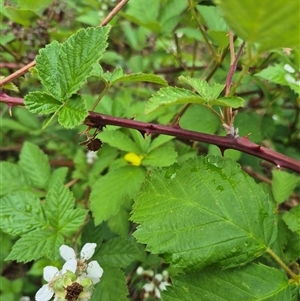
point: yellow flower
(134, 158)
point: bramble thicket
(150, 150)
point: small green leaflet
(292, 219)
(283, 184)
(250, 283)
(207, 94)
(205, 212)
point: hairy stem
(284, 266)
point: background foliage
(226, 228)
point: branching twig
(242, 144)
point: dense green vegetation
(166, 132)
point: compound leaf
(228, 218)
(171, 96)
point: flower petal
(44, 293)
(94, 271)
(70, 265)
(67, 253)
(88, 250)
(149, 287)
(50, 272)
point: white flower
(46, 292)
(93, 270)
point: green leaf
(160, 157)
(59, 175)
(46, 66)
(206, 91)
(171, 96)
(20, 16)
(109, 191)
(64, 68)
(201, 119)
(118, 252)
(266, 22)
(228, 218)
(73, 112)
(283, 184)
(35, 245)
(250, 283)
(15, 178)
(159, 140)
(34, 162)
(78, 55)
(21, 212)
(119, 140)
(233, 102)
(292, 219)
(112, 286)
(41, 103)
(274, 74)
(36, 6)
(60, 212)
(141, 77)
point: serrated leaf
(21, 212)
(78, 55)
(64, 68)
(292, 219)
(206, 212)
(34, 162)
(46, 66)
(171, 96)
(109, 191)
(41, 103)
(283, 184)
(266, 22)
(206, 91)
(159, 140)
(60, 212)
(119, 140)
(73, 112)
(274, 74)
(112, 286)
(141, 77)
(233, 102)
(250, 283)
(118, 252)
(58, 175)
(15, 178)
(35, 245)
(160, 157)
